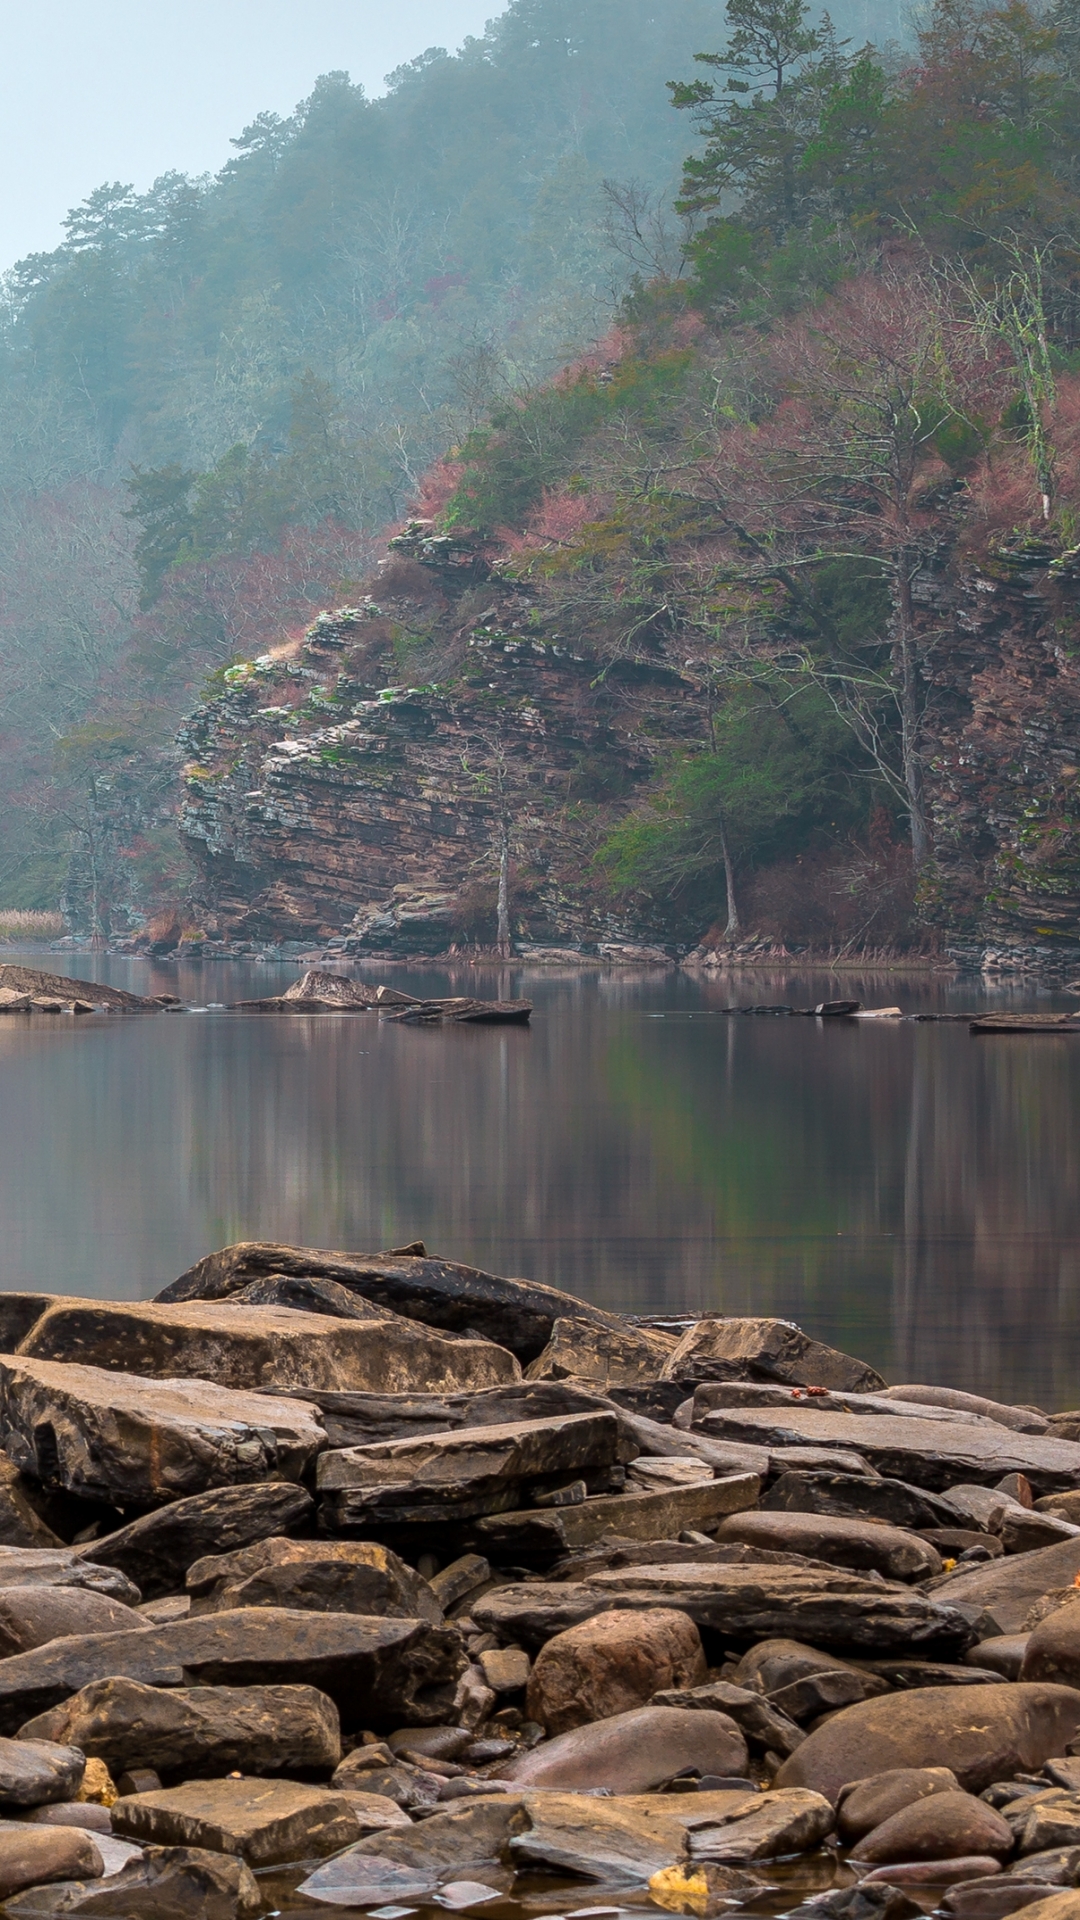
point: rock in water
(631, 1752)
(517, 1314)
(325, 1576)
(388, 1671)
(156, 1551)
(986, 1733)
(37, 1856)
(612, 1664)
(160, 1883)
(459, 1476)
(114, 1436)
(620, 1842)
(267, 1822)
(846, 1543)
(764, 1827)
(256, 1347)
(193, 1730)
(32, 1616)
(38, 1771)
(752, 1349)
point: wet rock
(32, 1616)
(631, 1752)
(258, 1347)
(702, 1889)
(864, 1902)
(933, 1873)
(1053, 1647)
(460, 1476)
(331, 1576)
(465, 1840)
(64, 1567)
(266, 1822)
(116, 1437)
(38, 1769)
(36, 1856)
(1019, 1419)
(1006, 1589)
(841, 1542)
(164, 1883)
(856, 1496)
(934, 1454)
(516, 1314)
(991, 1899)
(390, 1670)
(760, 1722)
(621, 1842)
(610, 1665)
(943, 1826)
(538, 1535)
(431, 1743)
(196, 1730)
(866, 1804)
(760, 1349)
(612, 1356)
(985, 1733)
(765, 1826)
(157, 1550)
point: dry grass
(20, 923)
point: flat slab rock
(362, 1419)
(156, 1551)
(765, 1349)
(935, 1453)
(116, 1436)
(891, 1551)
(517, 1314)
(826, 1607)
(64, 1567)
(257, 1347)
(1007, 1588)
(266, 1822)
(388, 1671)
(539, 1534)
(190, 1730)
(323, 1576)
(462, 1475)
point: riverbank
(349, 1579)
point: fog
(126, 91)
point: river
(905, 1191)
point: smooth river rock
(117, 1437)
(516, 1314)
(761, 1724)
(631, 1752)
(1006, 1589)
(842, 1542)
(1053, 1647)
(37, 1856)
(156, 1551)
(257, 1347)
(463, 1475)
(322, 1576)
(384, 1671)
(610, 1665)
(930, 1453)
(943, 1826)
(867, 1803)
(194, 1730)
(267, 1822)
(39, 1770)
(985, 1733)
(762, 1349)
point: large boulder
(38, 1771)
(845, 1543)
(267, 1822)
(942, 1826)
(460, 1476)
(1053, 1647)
(611, 1664)
(38, 1856)
(117, 1437)
(981, 1733)
(631, 1752)
(192, 1730)
(256, 1347)
(156, 1550)
(1006, 1589)
(379, 1672)
(762, 1349)
(325, 1576)
(32, 1616)
(517, 1314)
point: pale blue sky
(94, 90)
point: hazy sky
(95, 90)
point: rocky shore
(344, 1581)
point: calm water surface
(907, 1192)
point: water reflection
(907, 1192)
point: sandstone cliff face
(329, 792)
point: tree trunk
(731, 931)
(909, 715)
(503, 911)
